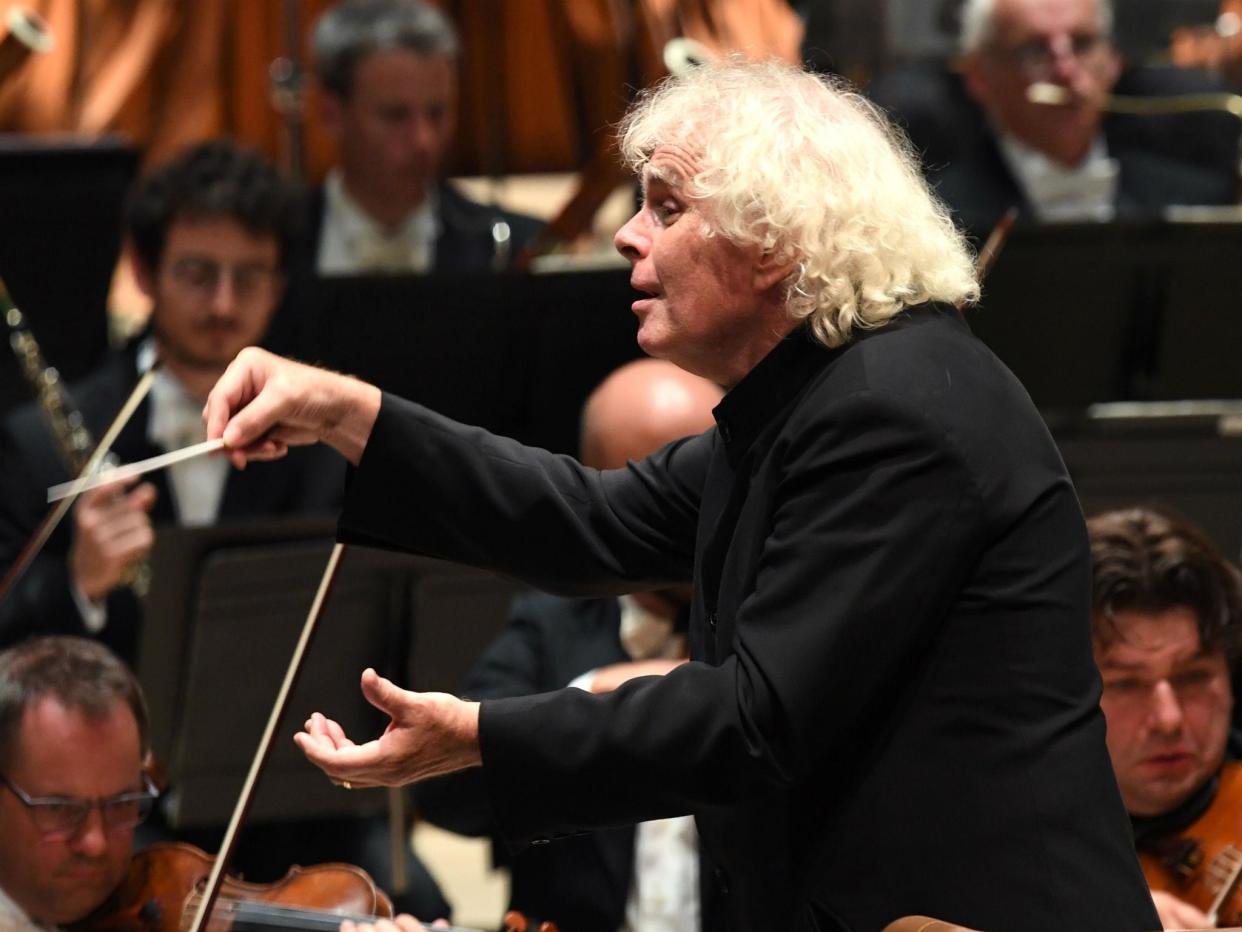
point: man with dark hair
(387, 70)
(73, 740)
(209, 234)
(1166, 608)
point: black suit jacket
(980, 188)
(582, 882)
(1163, 160)
(894, 708)
(309, 481)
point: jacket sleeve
(874, 528)
(40, 601)
(510, 666)
(429, 485)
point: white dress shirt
(352, 243)
(1065, 194)
(14, 919)
(176, 421)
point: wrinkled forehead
(673, 164)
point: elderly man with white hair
(891, 706)
(1042, 71)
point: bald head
(641, 407)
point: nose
(1065, 64)
(92, 839)
(1166, 711)
(633, 240)
(423, 135)
(224, 297)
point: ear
(974, 79)
(772, 269)
(1113, 71)
(331, 112)
(144, 275)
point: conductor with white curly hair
(891, 706)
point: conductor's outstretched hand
(428, 734)
(263, 404)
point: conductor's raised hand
(264, 403)
(428, 734)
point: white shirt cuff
(94, 614)
(584, 681)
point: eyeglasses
(202, 277)
(64, 816)
(1038, 58)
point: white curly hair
(803, 167)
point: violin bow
(240, 810)
(994, 244)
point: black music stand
(226, 606)
(61, 198)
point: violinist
(73, 738)
(210, 233)
(1166, 616)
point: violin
(162, 890)
(1202, 864)
(164, 884)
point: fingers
(241, 381)
(1178, 914)
(111, 531)
(402, 923)
(327, 732)
(383, 693)
(353, 762)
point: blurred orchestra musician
(1066, 160)
(210, 234)
(641, 877)
(1166, 620)
(73, 733)
(387, 74)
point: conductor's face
(57, 874)
(707, 305)
(1168, 704)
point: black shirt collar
(782, 375)
(773, 383)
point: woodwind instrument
(73, 439)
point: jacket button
(711, 621)
(722, 880)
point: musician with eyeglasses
(209, 235)
(73, 740)
(1060, 156)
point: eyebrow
(666, 176)
(1141, 667)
